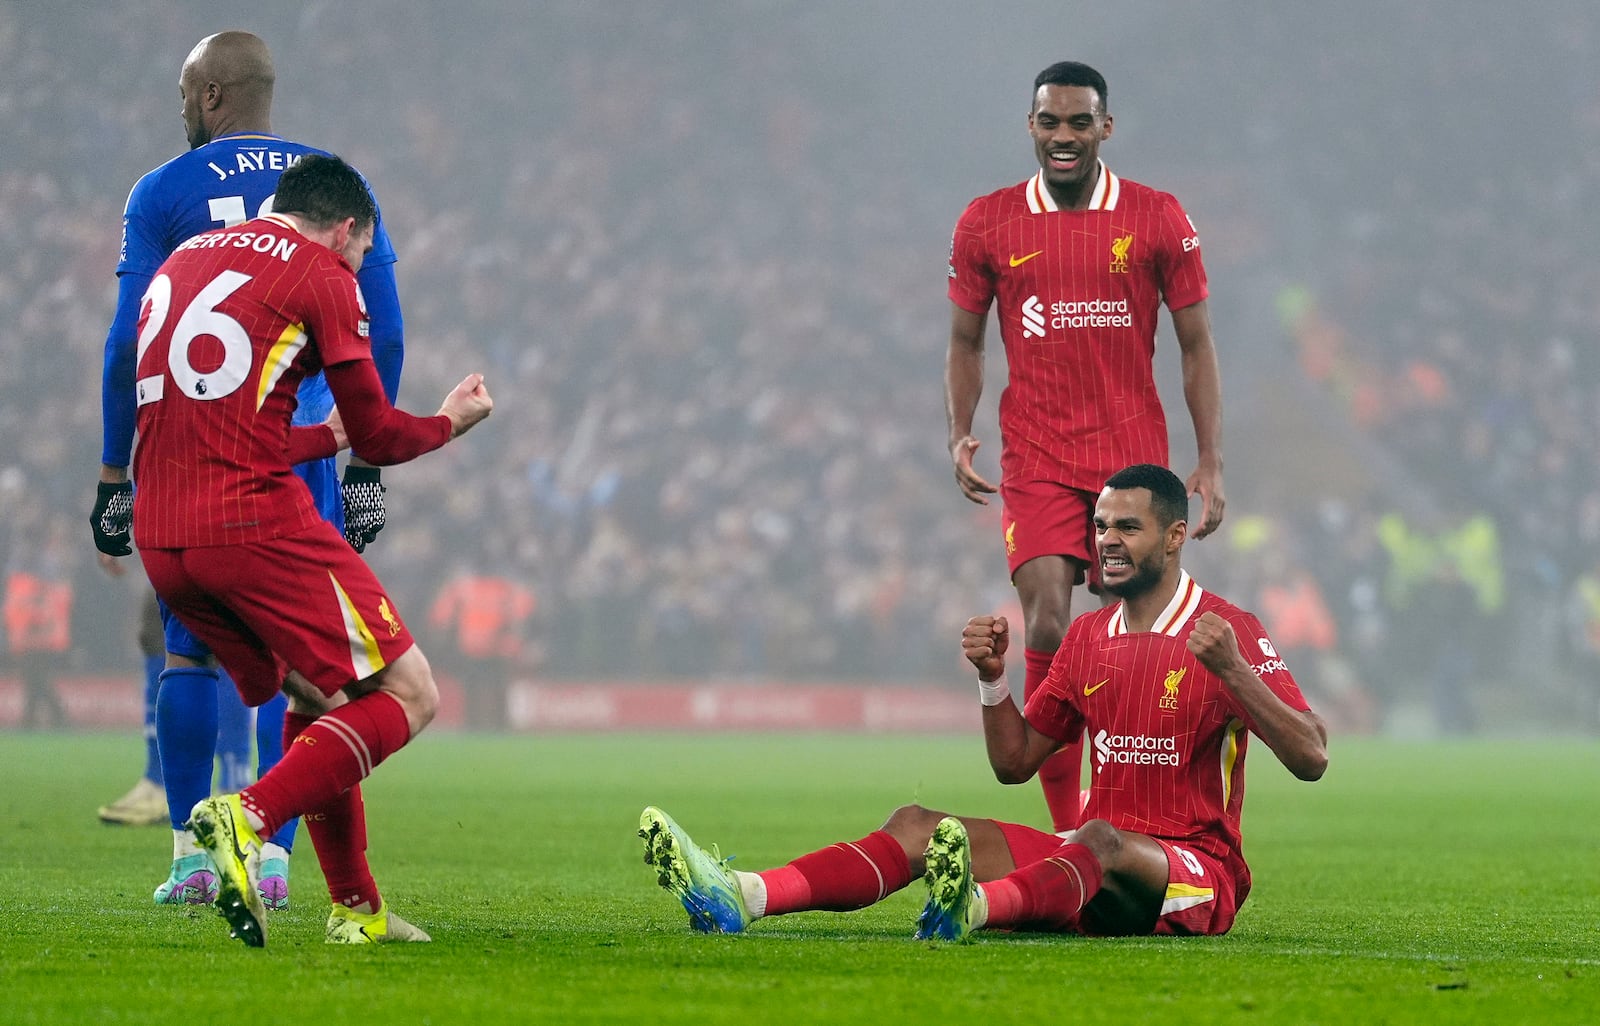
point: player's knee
(1044, 586)
(409, 680)
(179, 661)
(1045, 628)
(1046, 625)
(305, 698)
(1101, 838)
(426, 704)
(420, 699)
(912, 826)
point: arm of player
(963, 386)
(317, 441)
(1297, 737)
(387, 325)
(361, 487)
(111, 518)
(118, 406)
(385, 435)
(382, 297)
(1202, 390)
(1016, 749)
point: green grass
(1421, 883)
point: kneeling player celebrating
(1168, 682)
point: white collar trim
(1183, 605)
(1107, 190)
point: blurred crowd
(715, 333)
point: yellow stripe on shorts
(365, 659)
(1181, 896)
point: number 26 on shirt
(200, 317)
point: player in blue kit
(228, 176)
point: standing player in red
(1077, 261)
(1169, 682)
(233, 543)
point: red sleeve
(379, 433)
(1266, 663)
(1050, 709)
(1183, 273)
(334, 313)
(971, 276)
(311, 442)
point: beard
(1146, 575)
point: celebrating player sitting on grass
(234, 545)
(1168, 682)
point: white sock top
(183, 843)
(754, 891)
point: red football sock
(339, 836)
(839, 878)
(293, 724)
(1061, 773)
(1005, 902)
(1048, 893)
(327, 758)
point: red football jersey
(1169, 738)
(1078, 292)
(231, 323)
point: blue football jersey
(225, 182)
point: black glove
(112, 519)
(363, 505)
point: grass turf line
(1417, 883)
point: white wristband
(993, 692)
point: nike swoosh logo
(1018, 261)
(1089, 689)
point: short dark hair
(1072, 73)
(324, 191)
(1169, 499)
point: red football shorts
(1043, 518)
(305, 601)
(1201, 893)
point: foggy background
(699, 251)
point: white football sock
(754, 891)
(980, 906)
(183, 843)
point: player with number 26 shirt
(233, 321)
(225, 182)
(231, 324)
(232, 172)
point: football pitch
(1427, 883)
